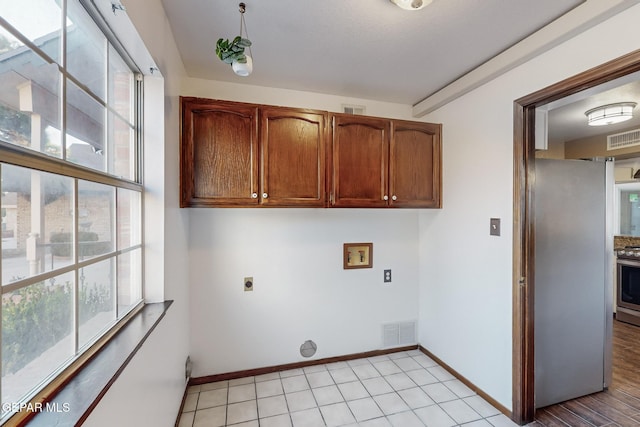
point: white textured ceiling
(367, 49)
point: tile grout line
(351, 370)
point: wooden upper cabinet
(247, 155)
(414, 165)
(385, 163)
(293, 157)
(360, 158)
(219, 153)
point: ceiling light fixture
(232, 52)
(610, 114)
(411, 4)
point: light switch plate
(494, 227)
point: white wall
(295, 256)
(465, 289)
(300, 288)
(145, 393)
(289, 98)
(155, 377)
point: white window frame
(18, 156)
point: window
(627, 209)
(71, 263)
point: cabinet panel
(219, 164)
(414, 165)
(293, 150)
(360, 157)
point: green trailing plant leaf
(232, 51)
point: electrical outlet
(248, 284)
(387, 276)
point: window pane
(96, 205)
(121, 148)
(129, 281)
(86, 50)
(37, 222)
(37, 335)
(128, 218)
(30, 103)
(38, 20)
(630, 213)
(120, 86)
(96, 307)
(85, 129)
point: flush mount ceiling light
(610, 114)
(232, 52)
(411, 4)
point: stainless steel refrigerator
(573, 206)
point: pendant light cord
(243, 25)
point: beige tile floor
(403, 389)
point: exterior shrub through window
(71, 194)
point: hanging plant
(230, 52)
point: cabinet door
(293, 150)
(219, 153)
(360, 157)
(414, 165)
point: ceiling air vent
(623, 140)
(353, 109)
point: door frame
(523, 281)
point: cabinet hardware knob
(265, 195)
(394, 198)
(254, 195)
(385, 197)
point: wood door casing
(293, 150)
(360, 159)
(415, 165)
(523, 217)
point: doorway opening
(523, 408)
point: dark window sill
(80, 395)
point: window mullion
(139, 123)
(63, 81)
(76, 281)
(1, 293)
(108, 155)
(115, 270)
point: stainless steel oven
(628, 285)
